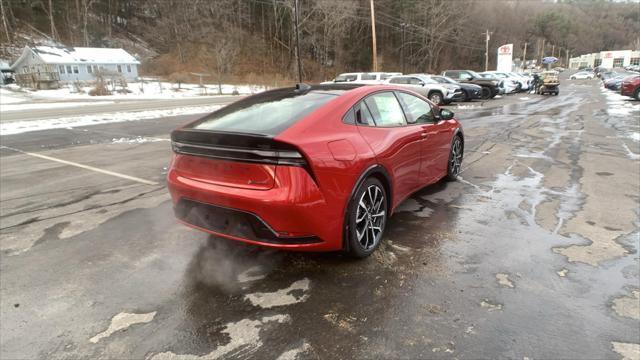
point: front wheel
(436, 98)
(637, 94)
(455, 159)
(367, 218)
(486, 93)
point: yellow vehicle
(549, 83)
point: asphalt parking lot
(533, 253)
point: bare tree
(4, 22)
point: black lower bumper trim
(233, 222)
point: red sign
(504, 50)
(608, 55)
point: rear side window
(345, 78)
(368, 76)
(418, 111)
(267, 114)
(363, 115)
(385, 109)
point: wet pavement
(533, 253)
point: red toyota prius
(315, 168)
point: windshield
(474, 74)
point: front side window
(368, 76)
(418, 111)
(385, 109)
(416, 81)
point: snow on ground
(623, 114)
(148, 90)
(49, 105)
(11, 97)
(18, 127)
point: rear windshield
(266, 114)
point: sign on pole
(505, 58)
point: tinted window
(415, 81)
(368, 76)
(385, 109)
(363, 115)
(345, 78)
(268, 113)
(399, 80)
(417, 110)
(349, 117)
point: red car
(317, 168)
(631, 86)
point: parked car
(311, 168)
(505, 87)
(630, 86)
(363, 78)
(439, 94)
(470, 91)
(512, 83)
(582, 75)
(489, 86)
(614, 83)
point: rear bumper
(293, 215)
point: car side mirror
(422, 83)
(446, 114)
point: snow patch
(19, 127)
(123, 321)
(281, 297)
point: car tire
(436, 97)
(636, 94)
(572, 78)
(485, 93)
(367, 218)
(455, 158)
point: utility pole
(373, 37)
(567, 64)
(53, 27)
(402, 26)
(542, 50)
(486, 52)
(524, 57)
(295, 7)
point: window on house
(634, 61)
(68, 69)
(61, 69)
(90, 69)
(119, 68)
(128, 68)
(76, 69)
(597, 62)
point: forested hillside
(253, 40)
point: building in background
(44, 67)
(607, 59)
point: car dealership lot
(532, 253)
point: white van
(363, 78)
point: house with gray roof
(45, 67)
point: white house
(44, 66)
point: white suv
(362, 78)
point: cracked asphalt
(533, 253)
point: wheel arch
(379, 172)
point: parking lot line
(87, 167)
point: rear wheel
(455, 159)
(367, 218)
(486, 93)
(436, 98)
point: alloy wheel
(436, 98)
(370, 217)
(455, 161)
